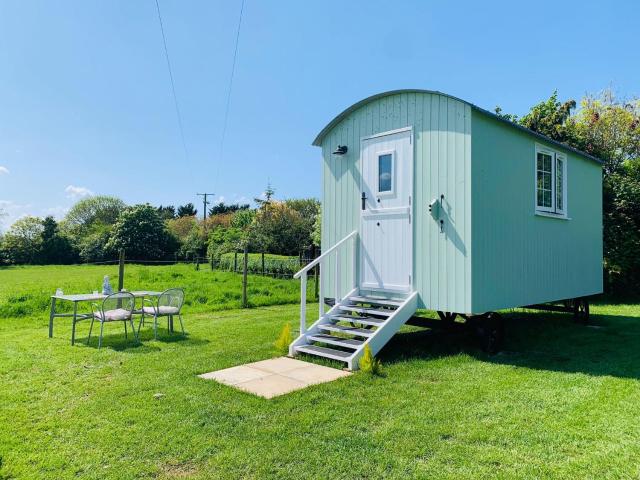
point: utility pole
(204, 205)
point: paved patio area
(277, 376)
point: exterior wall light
(340, 150)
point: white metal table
(85, 297)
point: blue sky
(86, 105)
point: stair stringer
(387, 330)
(323, 320)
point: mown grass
(559, 402)
(27, 290)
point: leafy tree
(267, 196)
(22, 243)
(55, 248)
(167, 212)
(92, 214)
(281, 229)
(187, 210)
(550, 118)
(142, 234)
(222, 208)
(316, 236)
(308, 208)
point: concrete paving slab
(271, 386)
(277, 376)
(313, 374)
(235, 375)
(278, 365)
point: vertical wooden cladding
(442, 156)
(520, 258)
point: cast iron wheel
(581, 310)
(490, 329)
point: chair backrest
(174, 297)
(123, 300)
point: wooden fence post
(235, 262)
(262, 263)
(211, 262)
(245, 262)
(121, 270)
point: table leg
(51, 315)
(73, 326)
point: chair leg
(101, 331)
(181, 324)
(169, 323)
(155, 327)
(133, 329)
(125, 329)
(90, 329)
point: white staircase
(342, 333)
(354, 321)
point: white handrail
(302, 274)
(312, 264)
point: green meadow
(560, 401)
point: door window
(385, 173)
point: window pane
(559, 184)
(544, 180)
(547, 198)
(384, 173)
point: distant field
(27, 290)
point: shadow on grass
(119, 343)
(541, 341)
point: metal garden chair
(168, 304)
(117, 307)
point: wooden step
(367, 311)
(358, 332)
(325, 352)
(376, 322)
(385, 302)
(331, 340)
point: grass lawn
(560, 402)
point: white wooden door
(386, 224)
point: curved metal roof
(318, 140)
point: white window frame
(392, 192)
(555, 156)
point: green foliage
(281, 229)
(368, 363)
(316, 235)
(187, 210)
(55, 248)
(167, 212)
(273, 264)
(92, 214)
(222, 208)
(22, 243)
(284, 340)
(142, 234)
(550, 118)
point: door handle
(363, 198)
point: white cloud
(12, 211)
(74, 192)
(220, 199)
(4, 170)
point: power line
(173, 86)
(226, 111)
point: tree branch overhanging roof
(318, 140)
